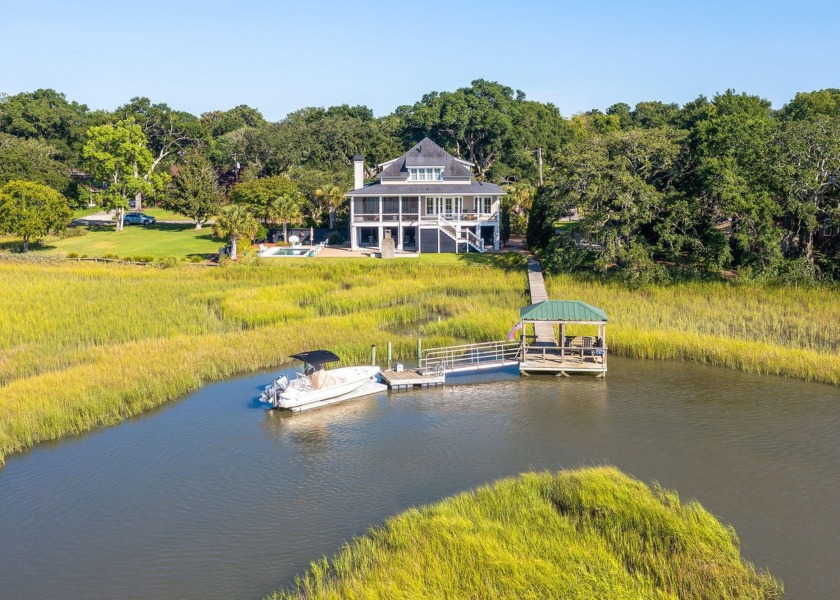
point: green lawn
(78, 213)
(157, 241)
(161, 214)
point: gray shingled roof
(428, 189)
(426, 154)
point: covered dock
(554, 338)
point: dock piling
(373, 355)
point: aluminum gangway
(470, 357)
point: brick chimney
(358, 171)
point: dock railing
(581, 354)
(467, 357)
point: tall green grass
(784, 330)
(591, 533)
(85, 346)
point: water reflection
(312, 428)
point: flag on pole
(512, 333)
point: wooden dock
(544, 331)
(538, 359)
(578, 354)
(536, 351)
(408, 379)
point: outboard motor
(277, 387)
(281, 384)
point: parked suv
(138, 218)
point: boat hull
(371, 387)
(343, 382)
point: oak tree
(31, 211)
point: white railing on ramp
(470, 357)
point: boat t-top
(316, 386)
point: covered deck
(544, 323)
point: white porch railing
(461, 236)
(474, 240)
(463, 217)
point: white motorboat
(316, 386)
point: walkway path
(543, 331)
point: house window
(483, 205)
(370, 206)
(425, 174)
(449, 207)
(411, 205)
(390, 206)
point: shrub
(71, 232)
(262, 234)
(335, 238)
(142, 259)
(252, 260)
(195, 258)
(244, 246)
(72, 255)
(168, 262)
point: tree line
(294, 171)
(726, 185)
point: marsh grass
(783, 330)
(590, 533)
(88, 345)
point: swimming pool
(276, 251)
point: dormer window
(425, 173)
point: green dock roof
(562, 310)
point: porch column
(562, 340)
(379, 241)
(354, 234)
(497, 204)
(399, 225)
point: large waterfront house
(428, 201)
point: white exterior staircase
(461, 236)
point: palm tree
(286, 209)
(332, 197)
(235, 221)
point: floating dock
(543, 346)
(408, 379)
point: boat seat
(318, 379)
(302, 383)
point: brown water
(213, 497)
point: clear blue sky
(279, 56)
